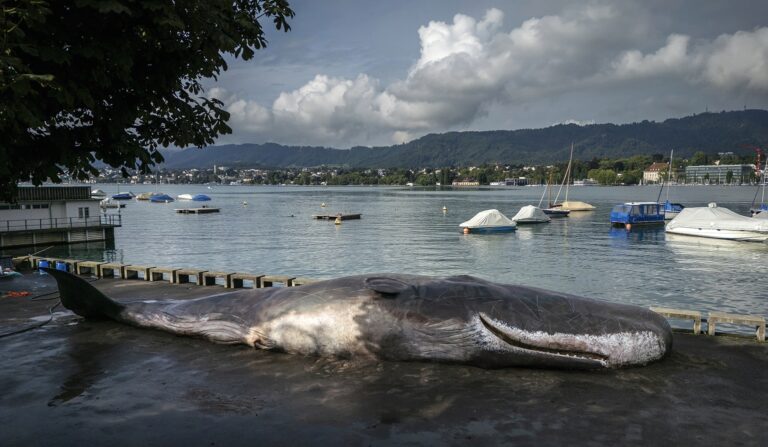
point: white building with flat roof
(54, 215)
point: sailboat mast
(669, 176)
(568, 173)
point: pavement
(78, 382)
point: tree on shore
(114, 80)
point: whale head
(469, 320)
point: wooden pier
(203, 210)
(335, 216)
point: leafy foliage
(114, 80)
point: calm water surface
(405, 230)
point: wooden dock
(334, 216)
(203, 210)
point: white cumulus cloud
(469, 65)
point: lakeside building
(719, 174)
(654, 171)
(465, 183)
(50, 215)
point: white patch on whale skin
(619, 349)
(331, 330)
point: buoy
(322, 205)
(466, 230)
(338, 220)
(245, 203)
(445, 209)
(628, 226)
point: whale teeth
(509, 339)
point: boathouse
(49, 215)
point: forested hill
(707, 132)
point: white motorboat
(718, 223)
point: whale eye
(387, 286)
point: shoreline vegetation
(605, 172)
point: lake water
(405, 230)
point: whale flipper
(82, 298)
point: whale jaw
(611, 350)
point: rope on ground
(50, 312)
(39, 325)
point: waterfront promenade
(76, 381)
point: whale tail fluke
(79, 296)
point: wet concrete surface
(77, 382)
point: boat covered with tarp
(488, 221)
(195, 198)
(530, 214)
(161, 198)
(147, 195)
(123, 196)
(719, 223)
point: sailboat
(572, 205)
(671, 210)
(758, 211)
(552, 211)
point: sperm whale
(457, 319)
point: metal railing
(110, 220)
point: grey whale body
(459, 319)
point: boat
(196, 197)
(161, 198)
(719, 223)
(630, 214)
(530, 214)
(671, 210)
(757, 210)
(488, 221)
(98, 194)
(123, 196)
(571, 205)
(146, 195)
(108, 203)
(551, 211)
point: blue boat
(200, 198)
(161, 198)
(123, 196)
(671, 210)
(637, 213)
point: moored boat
(110, 203)
(553, 210)
(570, 205)
(488, 221)
(530, 214)
(719, 223)
(161, 198)
(123, 196)
(636, 214)
(146, 195)
(98, 194)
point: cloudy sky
(356, 72)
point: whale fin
(82, 298)
(387, 286)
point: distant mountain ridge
(707, 132)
